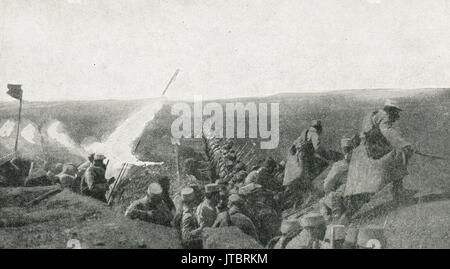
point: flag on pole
(15, 91)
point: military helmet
(99, 157)
(187, 194)
(154, 189)
(211, 188)
(392, 103)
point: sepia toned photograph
(225, 124)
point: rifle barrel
(430, 156)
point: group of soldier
(253, 198)
(87, 178)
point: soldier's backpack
(375, 143)
(302, 145)
(297, 159)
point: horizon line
(319, 92)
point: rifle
(116, 182)
(434, 157)
(241, 150)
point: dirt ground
(421, 225)
(65, 216)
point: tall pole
(18, 128)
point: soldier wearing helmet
(94, 183)
(151, 207)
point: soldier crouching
(151, 208)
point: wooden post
(18, 128)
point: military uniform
(234, 217)
(381, 158)
(94, 183)
(302, 165)
(143, 209)
(334, 185)
(84, 166)
(206, 214)
(336, 177)
(260, 207)
(67, 178)
(151, 208)
(312, 235)
(189, 228)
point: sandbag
(366, 175)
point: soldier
(252, 177)
(37, 177)
(381, 158)
(191, 168)
(84, 166)
(196, 200)
(151, 208)
(266, 175)
(261, 208)
(190, 230)
(164, 182)
(235, 217)
(93, 182)
(67, 178)
(307, 159)
(313, 233)
(207, 211)
(332, 204)
(223, 199)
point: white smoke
(29, 133)
(118, 147)
(56, 132)
(7, 128)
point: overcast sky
(128, 49)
